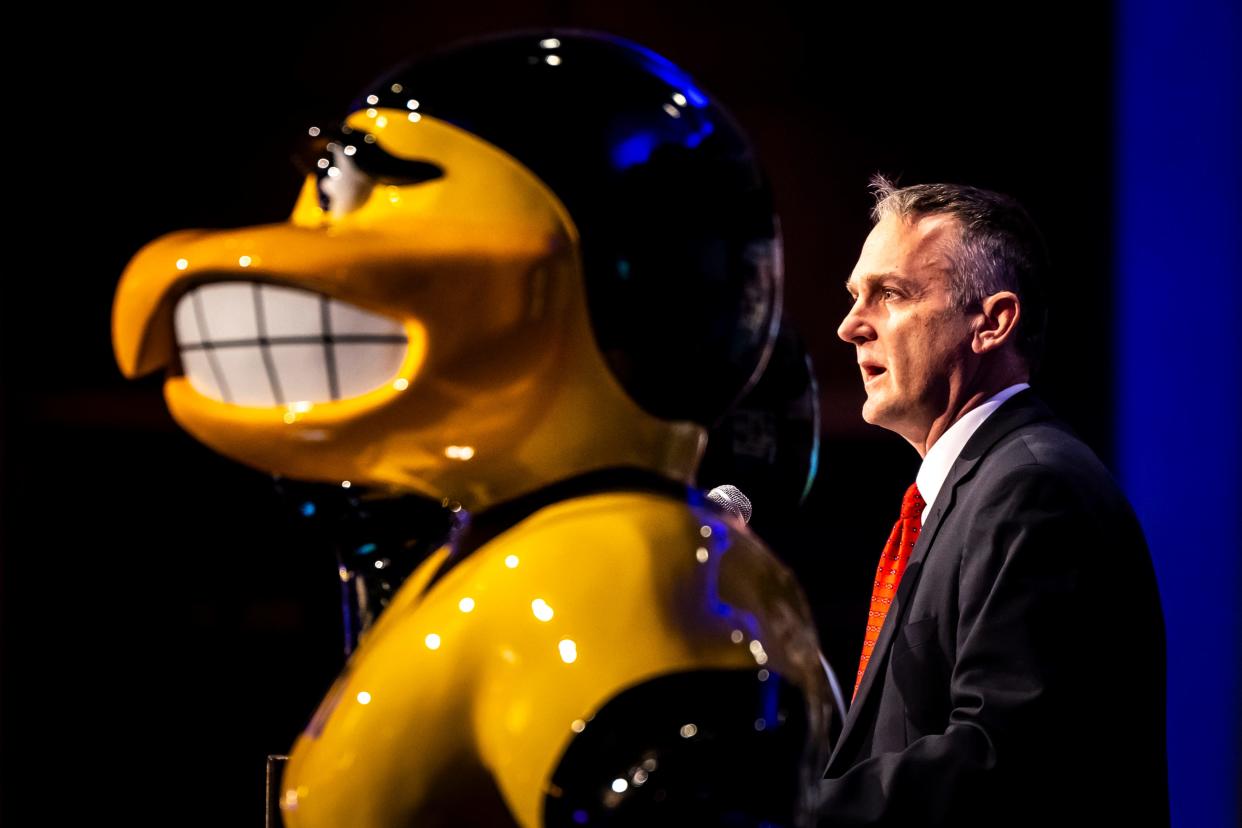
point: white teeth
(290, 312)
(198, 368)
(306, 363)
(347, 319)
(228, 308)
(262, 345)
(186, 323)
(357, 364)
(245, 377)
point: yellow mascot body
(535, 319)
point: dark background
(165, 622)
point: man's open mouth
(255, 344)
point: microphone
(730, 499)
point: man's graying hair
(999, 248)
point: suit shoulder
(1043, 474)
(1048, 452)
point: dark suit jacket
(1019, 677)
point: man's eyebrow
(871, 279)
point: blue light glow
(695, 138)
(637, 147)
(671, 74)
(1179, 272)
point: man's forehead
(908, 247)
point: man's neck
(946, 420)
(959, 405)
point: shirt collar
(943, 453)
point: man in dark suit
(1013, 671)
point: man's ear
(996, 322)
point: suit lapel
(892, 620)
(1018, 410)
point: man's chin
(873, 413)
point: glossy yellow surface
(502, 388)
(472, 684)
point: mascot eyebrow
(366, 153)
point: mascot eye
(347, 165)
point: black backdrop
(164, 624)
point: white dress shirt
(943, 453)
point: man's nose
(854, 328)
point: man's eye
(888, 293)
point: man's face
(913, 347)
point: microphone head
(730, 499)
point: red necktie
(888, 573)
